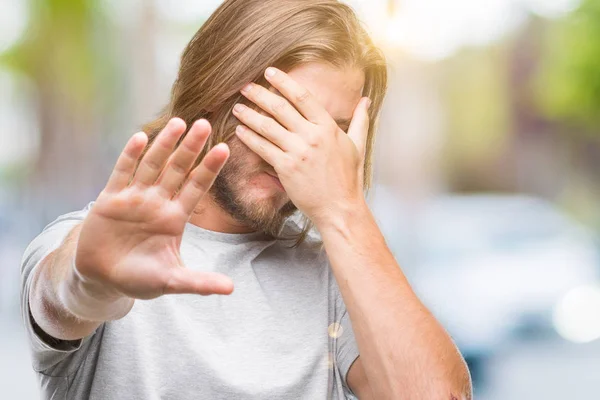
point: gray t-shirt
(275, 337)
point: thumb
(183, 280)
(359, 127)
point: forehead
(337, 90)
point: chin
(251, 196)
(266, 198)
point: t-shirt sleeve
(50, 356)
(346, 349)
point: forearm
(405, 352)
(61, 304)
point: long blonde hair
(244, 37)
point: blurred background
(487, 175)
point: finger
(258, 144)
(183, 158)
(125, 166)
(154, 161)
(298, 95)
(183, 280)
(275, 105)
(265, 126)
(359, 127)
(202, 177)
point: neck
(210, 216)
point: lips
(274, 175)
(277, 181)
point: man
(110, 293)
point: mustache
(269, 170)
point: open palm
(129, 242)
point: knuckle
(303, 97)
(211, 168)
(199, 184)
(314, 140)
(257, 96)
(187, 147)
(279, 107)
(266, 125)
(178, 168)
(121, 169)
(152, 164)
(164, 143)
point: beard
(227, 191)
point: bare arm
(46, 309)
(127, 247)
(404, 352)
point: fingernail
(239, 129)
(239, 108)
(270, 72)
(247, 88)
(368, 103)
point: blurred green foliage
(60, 48)
(477, 89)
(67, 57)
(568, 88)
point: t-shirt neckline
(234, 238)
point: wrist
(340, 214)
(89, 300)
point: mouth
(276, 180)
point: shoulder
(53, 234)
